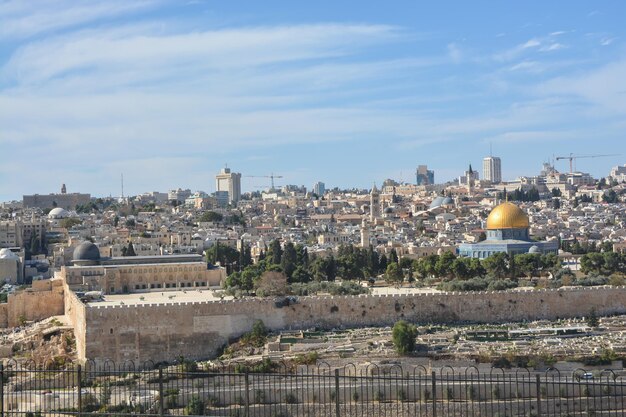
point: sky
(349, 93)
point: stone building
(120, 275)
(507, 231)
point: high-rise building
(319, 188)
(492, 169)
(424, 176)
(230, 182)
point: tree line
(351, 263)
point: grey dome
(436, 202)
(86, 251)
(447, 201)
(534, 249)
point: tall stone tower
(365, 233)
(470, 181)
(374, 204)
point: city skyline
(348, 94)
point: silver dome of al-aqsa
(86, 251)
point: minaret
(365, 234)
(374, 204)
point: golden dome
(507, 216)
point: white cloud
(22, 19)
(117, 55)
(531, 43)
(604, 86)
(551, 47)
(607, 41)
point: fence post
(161, 399)
(1, 390)
(538, 387)
(247, 393)
(79, 375)
(337, 393)
(434, 389)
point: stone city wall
(44, 300)
(163, 332)
(75, 313)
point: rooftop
(165, 297)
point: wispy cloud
(22, 19)
(136, 57)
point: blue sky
(348, 93)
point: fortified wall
(43, 300)
(164, 332)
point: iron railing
(276, 389)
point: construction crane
(271, 176)
(572, 157)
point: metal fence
(277, 389)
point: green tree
(403, 337)
(497, 265)
(393, 256)
(275, 252)
(610, 197)
(69, 222)
(211, 217)
(289, 259)
(105, 394)
(591, 263)
(223, 254)
(443, 266)
(461, 268)
(592, 318)
(528, 264)
(300, 274)
(394, 274)
(476, 268)
(130, 250)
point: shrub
(401, 395)
(355, 396)
(403, 336)
(259, 396)
(379, 396)
(195, 407)
(290, 398)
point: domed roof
(58, 213)
(441, 201)
(534, 249)
(507, 216)
(436, 202)
(7, 254)
(86, 251)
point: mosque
(507, 231)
